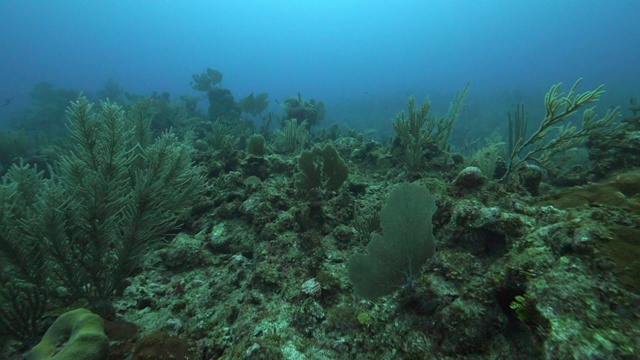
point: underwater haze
(363, 58)
(244, 179)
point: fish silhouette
(7, 101)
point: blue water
(363, 58)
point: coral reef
(491, 256)
(79, 234)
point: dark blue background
(363, 58)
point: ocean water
(263, 265)
(362, 58)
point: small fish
(7, 101)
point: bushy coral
(206, 81)
(109, 202)
(321, 170)
(254, 105)
(304, 110)
(541, 146)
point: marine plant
(555, 135)
(302, 110)
(292, 137)
(365, 225)
(418, 128)
(487, 157)
(47, 113)
(321, 170)
(394, 257)
(634, 107)
(13, 144)
(254, 105)
(218, 136)
(221, 102)
(207, 80)
(109, 201)
(23, 291)
(112, 91)
(255, 145)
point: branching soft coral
(541, 146)
(110, 200)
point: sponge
(77, 334)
